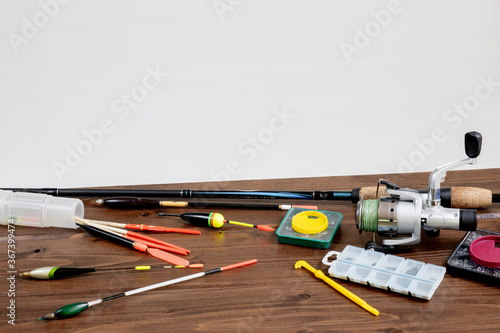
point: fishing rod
(54, 272)
(456, 197)
(73, 309)
(144, 203)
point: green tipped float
(67, 311)
(73, 309)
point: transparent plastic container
(389, 263)
(405, 276)
(39, 210)
(360, 273)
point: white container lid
(39, 210)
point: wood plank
(267, 297)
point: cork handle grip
(470, 197)
(370, 192)
(173, 204)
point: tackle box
(385, 271)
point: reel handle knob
(473, 143)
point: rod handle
(470, 197)
(173, 204)
(371, 192)
(454, 197)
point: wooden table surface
(269, 296)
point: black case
(460, 264)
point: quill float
(54, 272)
(73, 309)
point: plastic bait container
(385, 271)
(39, 210)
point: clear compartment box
(385, 271)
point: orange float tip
(174, 230)
(155, 228)
(140, 246)
(154, 240)
(306, 207)
(165, 256)
(156, 245)
(240, 264)
(196, 266)
(264, 228)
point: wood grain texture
(270, 296)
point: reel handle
(473, 143)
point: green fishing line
(369, 215)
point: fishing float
(145, 227)
(144, 203)
(139, 246)
(74, 309)
(153, 228)
(455, 197)
(134, 236)
(156, 245)
(213, 220)
(54, 272)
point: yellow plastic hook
(319, 274)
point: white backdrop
(136, 92)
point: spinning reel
(406, 211)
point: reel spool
(406, 211)
(387, 216)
